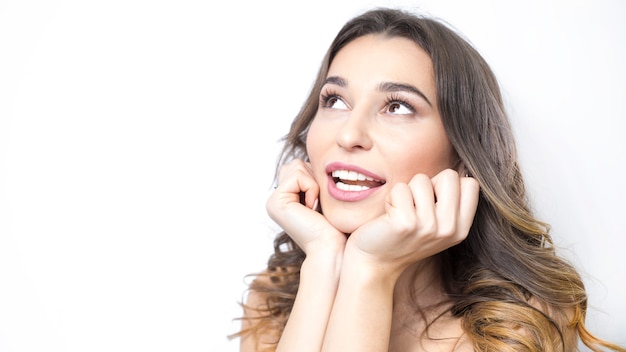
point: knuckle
(270, 207)
(405, 224)
(419, 178)
(429, 228)
(447, 229)
(449, 173)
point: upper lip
(334, 166)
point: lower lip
(348, 196)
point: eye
(399, 108)
(396, 105)
(333, 101)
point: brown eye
(334, 102)
(399, 108)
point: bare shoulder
(252, 338)
(458, 340)
(464, 344)
(563, 318)
(254, 298)
(448, 334)
(444, 334)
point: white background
(138, 140)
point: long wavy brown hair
(505, 282)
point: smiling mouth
(352, 181)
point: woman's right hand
(293, 205)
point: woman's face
(377, 125)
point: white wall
(137, 143)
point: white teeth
(349, 175)
(352, 188)
(352, 176)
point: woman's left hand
(422, 218)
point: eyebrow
(338, 81)
(402, 87)
(383, 87)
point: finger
(311, 193)
(399, 207)
(447, 189)
(469, 195)
(297, 184)
(424, 199)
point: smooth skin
(377, 112)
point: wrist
(328, 248)
(326, 262)
(369, 270)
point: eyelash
(327, 96)
(394, 98)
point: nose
(355, 132)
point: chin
(346, 222)
(345, 228)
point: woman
(406, 223)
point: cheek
(426, 156)
(314, 141)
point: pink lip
(349, 196)
(341, 166)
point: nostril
(354, 134)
